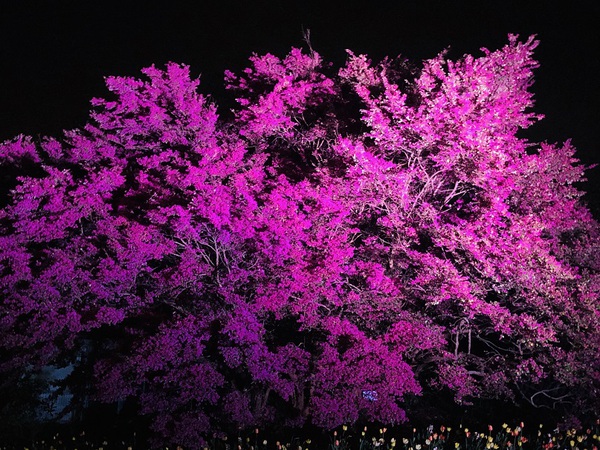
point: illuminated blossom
(343, 241)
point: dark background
(54, 54)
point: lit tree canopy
(342, 241)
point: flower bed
(442, 437)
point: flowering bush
(343, 242)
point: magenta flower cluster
(381, 229)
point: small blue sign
(370, 395)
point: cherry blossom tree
(339, 243)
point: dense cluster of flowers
(343, 242)
(367, 438)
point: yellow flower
(508, 430)
(572, 443)
(488, 446)
(504, 425)
(496, 446)
(466, 430)
(449, 429)
(345, 428)
(457, 445)
(490, 439)
(579, 438)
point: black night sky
(54, 54)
